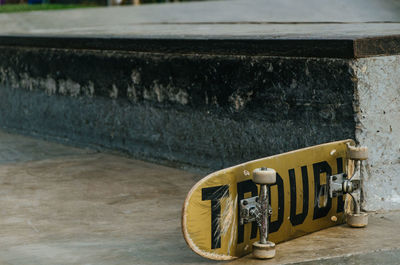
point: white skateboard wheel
(264, 251)
(264, 176)
(358, 153)
(357, 220)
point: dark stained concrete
(202, 110)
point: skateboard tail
(227, 219)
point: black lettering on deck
(297, 219)
(215, 194)
(321, 190)
(242, 188)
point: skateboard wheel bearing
(264, 251)
(357, 219)
(264, 176)
(358, 153)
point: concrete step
(209, 85)
(80, 207)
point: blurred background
(9, 6)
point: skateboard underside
(299, 201)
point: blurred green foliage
(69, 4)
(10, 8)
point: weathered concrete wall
(203, 110)
(377, 105)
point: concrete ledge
(205, 110)
(339, 47)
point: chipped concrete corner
(377, 112)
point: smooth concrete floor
(16, 148)
(62, 205)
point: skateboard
(249, 207)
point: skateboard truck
(258, 209)
(339, 184)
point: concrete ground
(63, 205)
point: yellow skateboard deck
(299, 200)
